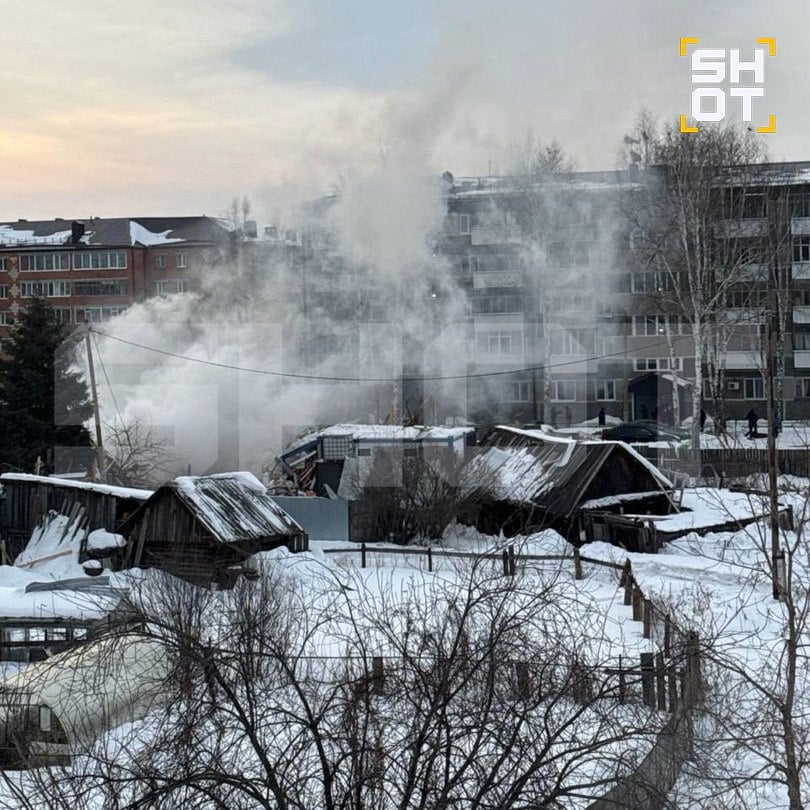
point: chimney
(76, 232)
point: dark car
(639, 434)
(680, 432)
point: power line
(323, 378)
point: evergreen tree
(44, 400)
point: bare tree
(694, 222)
(137, 455)
(320, 689)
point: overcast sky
(113, 108)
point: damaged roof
(559, 474)
(233, 507)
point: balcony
(495, 235)
(743, 361)
(801, 314)
(489, 279)
(801, 271)
(801, 358)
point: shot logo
(727, 85)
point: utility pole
(96, 415)
(773, 467)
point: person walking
(752, 418)
(601, 417)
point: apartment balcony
(490, 279)
(801, 358)
(801, 314)
(495, 235)
(574, 364)
(801, 271)
(800, 226)
(743, 361)
(737, 228)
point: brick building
(91, 270)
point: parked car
(676, 430)
(639, 434)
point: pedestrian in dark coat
(702, 419)
(601, 417)
(752, 418)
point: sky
(174, 107)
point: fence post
(637, 597)
(377, 675)
(673, 689)
(523, 679)
(505, 557)
(628, 587)
(667, 636)
(660, 681)
(648, 679)
(362, 555)
(692, 668)
(430, 558)
(646, 618)
(622, 683)
(577, 564)
(512, 561)
(625, 576)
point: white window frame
(44, 262)
(181, 261)
(160, 261)
(464, 224)
(605, 390)
(100, 260)
(560, 390)
(518, 391)
(47, 288)
(753, 388)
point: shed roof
(557, 473)
(233, 507)
(69, 483)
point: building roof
(68, 484)
(558, 474)
(233, 507)
(112, 232)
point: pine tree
(44, 400)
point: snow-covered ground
(719, 585)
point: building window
(746, 299)
(801, 298)
(2, 265)
(39, 262)
(181, 261)
(464, 222)
(62, 314)
(3, 290)
(6, 318)
(753, 388)
(801, 249)
(170, 286)
(648, 325)
(160, 261)
(658, 363)
(562, 390)
(469, 264)
(800, 204)
(497, 304)
(559, 254)
(46, 289)
(97, 314)
(499, 344)
(573, 341)
(98, 287)
(606, 389)
(518, 391)
(100, 260)
(801, 341)
(803, 387)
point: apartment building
(557, 294)
(92, 270)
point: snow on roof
(27, 236)
(106, 489)
(396, 432)
(710, 508)
(142, 236)
(234, 506)
(93, 688)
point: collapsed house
(57, 708)
(532, 480)
(204, 529)
(370, 469)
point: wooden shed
(203, 529)
(541, 481)
(27, 498)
